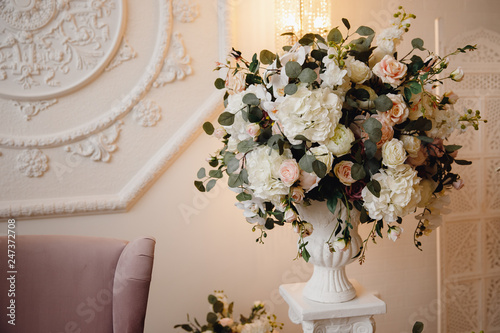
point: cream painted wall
(203, 242)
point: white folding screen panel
(97, 96)
(470, 237)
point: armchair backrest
(76, 284)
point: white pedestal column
(354, 316)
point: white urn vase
(329, 282)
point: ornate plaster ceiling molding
(97, 138)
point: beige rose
(289, 172)
(389, 70)
(457, 75)
(253, 129)
(358, 71)
(235, 83)
(411, 144)
(290, 215)
(297, 194)
(419, 159)
(393, 153)
(343, 172)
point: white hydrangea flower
(399, 194)
(313, 114)
(262, 165)
(332, 76)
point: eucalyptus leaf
(319, 168)
(291, 89)
(331, 204)
(383, 103)
(374, 187)
(293, 69)
(452, 148)
(463, 162)
(415, 87)
(244, 176)
(201, 173)
(418, 327)
(234, 180)
(255, 114)
(212, 318)
(335, 36)
(267, 57)
(308, 76)
(226, 119)
(373, 128)
(251, 99)
(320, 38)
(365, 31)
(244, 196)
(370, 149)
(220, 83)
(358, 171)
(218, 307)
(425, 138)
(215, 173)
(232, 165)
(418, 43)
(199, 185)
(208, 128)
(246, 145)
(306, 163)
(211, 183)
(346, 23)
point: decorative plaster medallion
(185, 10)
(147, 113)
(32, 163)
(30, 109)
(50, 48)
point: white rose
(253, 129)
(322, 154)
(411, 144)
(393, 153)
(290, 215)
(388, 39)
(313, 114)
(457, 75)
(340, 143)
(236, 83)
(262, 165)
(359, 71)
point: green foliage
(383, 103)
(220, 83)
(335, 36)
(293, 69)
(418, 43)
(251, 99)
(208, 128)
(418, 327)
(267, 57)
(365, 31)
(291, 89)
(307, 75)
(226, 119)
(373, 128)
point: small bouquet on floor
(220, 319)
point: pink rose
(297, 194)
(387, 130)
(399, 111)
(235, 83)
(420, 159)
(226, 321)
(343, 172)
(253, 129)
(394, 232)
(289, 172)
(219, 132)
(436, 148)
(308, 181)
(389, 70)
(459, 184)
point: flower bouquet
(220, 319)
(342, 123)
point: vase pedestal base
(353, 316)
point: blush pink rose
(290, 215)
(459, 184)
(226, 321)
(389, 70)
(289, 172)
(253, 129)
(343, 172)
(308, 181)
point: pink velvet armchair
(74, 284)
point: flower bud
(457, 75)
